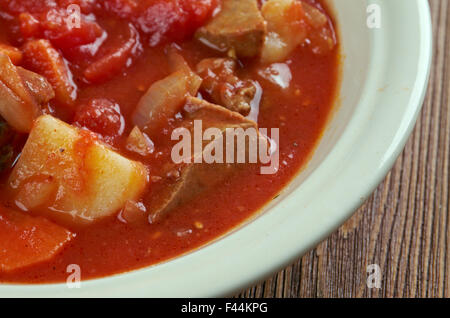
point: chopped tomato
(42, 58)
(65, 30)
(115, 61)
(160, 19)
(33, 6)
(122, 8)
(63, 27)
(39, 6)
(164, 20)
(27, 240)
(103, 117)
(199, 11)
(29, 26)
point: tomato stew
(90, 93)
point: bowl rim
(217, 269)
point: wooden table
(404, 226)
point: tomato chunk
(115, 61)
(27, 240)
(29, 26)
(63, 27)
(33, 6)
(199, 11)
(64, 31)
(12, 52)
(164, 20)
(122, 8)
(42, 58)
(103, 117)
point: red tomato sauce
(110, 246)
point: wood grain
(404, 226)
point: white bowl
(385, 76)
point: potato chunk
(286, 27)
(291, 23)
(91, 181)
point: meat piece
(21, 93)
(239, 26)
(187, 180)
(27, 240)
(223, 87)
(213, 115)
